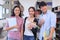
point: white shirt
(28, 32)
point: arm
(7, 28)
(51, 32)
(53, 25)
(41, 22)
(21, 31)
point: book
(12, 22)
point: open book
(12, 22)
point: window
(1, 12)
(7, 11)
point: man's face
(44, 9)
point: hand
(42, 22)
(49, 38)
(30, 27)
(16, 26)
(33, 24)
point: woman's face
(17, 11)
(31, 12)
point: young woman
(15, 35)
(30, 24)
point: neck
(17, 16)
(44, 12)
(31, 16)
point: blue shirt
(50, 21)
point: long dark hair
(13, 14)
(33, 9)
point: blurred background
(7, 5)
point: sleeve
(53, 20)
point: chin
(17, 15)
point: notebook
(12, 22)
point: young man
(47, 22)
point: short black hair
(13, 14)
(42, 3)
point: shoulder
(51, 13)
(21, 18)
(25, 18)
(40, 15)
